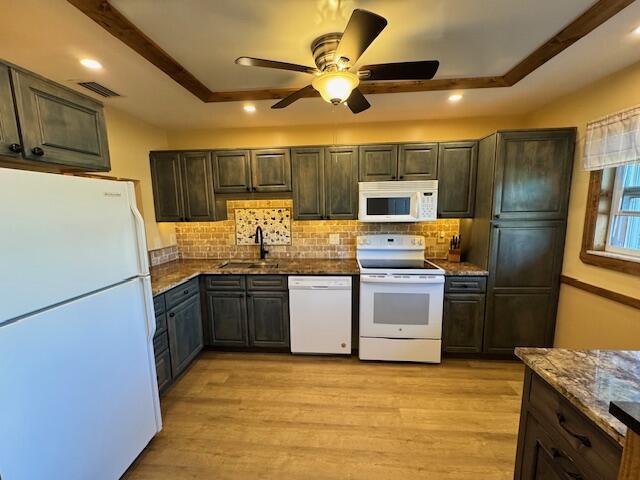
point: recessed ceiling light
(249, 108)
(91, 63)
(637, 30)
(455, 97)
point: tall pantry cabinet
(518, 231)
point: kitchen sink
(248, 264)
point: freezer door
(63, 237)
(79, 394)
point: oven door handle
(393, 279)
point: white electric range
(401, 299)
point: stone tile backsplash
(163, 255)
(308, 239)
(275, 224)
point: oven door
(401, 306)
(388, 206)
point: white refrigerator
(78, 391)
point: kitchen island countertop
(590, 380)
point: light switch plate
(334, 239)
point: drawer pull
(584, 440)
(185, 292)
(560, 457)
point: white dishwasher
(320, 314)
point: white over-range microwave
(413, 201)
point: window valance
(613, 140)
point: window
(623, 235)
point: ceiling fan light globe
(335, 87)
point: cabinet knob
(393, 177)
(172, 314)
(15, 148)
(37, 151)
(185, 292)
(497, 215)
(401, 177)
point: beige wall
(130, 140)
(414, 131)
(586, 320)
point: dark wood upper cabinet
(341, 182)
(268, 314)
(532, 174)
(524, 275)
(271, 170)
(10, 145)
(182, 186)
(378, 163)
(197, 187)
(166, 179)
(184, 323)
(231, 171)
(457, 163)
(59, 126)
(418, 161)
(308, 183)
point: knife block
(454, 255)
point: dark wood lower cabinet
(557, 442)
(255, 313)
(227, 317)
(268, 319)
(184, 323)
(163, 370)
(463, 322)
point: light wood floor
(272, 416)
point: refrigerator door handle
(150, 313)
(143, 256)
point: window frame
(616, 204)
(596, 226)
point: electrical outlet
(441, 238)
(334, 239)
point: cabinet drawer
(225, 282)
(180, 293)
(158, 304)
(161, 325)
(591, 445)
(465, 284)
(266, 282)
(163, 370)
(160, 343)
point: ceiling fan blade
(356, 101)
(424, 70)
(297, 95)
(260, 62)
(361, 31)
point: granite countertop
(462, 269)
(168, 275)
(590, 380)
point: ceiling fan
(335, 54)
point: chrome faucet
(260, 239)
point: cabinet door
(231, 171)
(341, 182)
(526, 258)
(418, 161)
(308, 183)
(197, 187)
(268, 319)
(184, 323)
(457, 163)
(463, 322)
(10, 145)
(271, 170)
(60, 126)
(533, 174)
(167, 186)
(378, 163)
(227, 315)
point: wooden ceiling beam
(119, 26)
